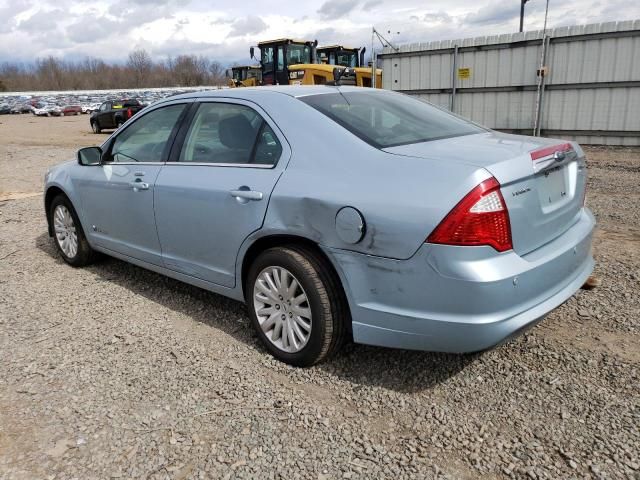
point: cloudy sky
(223, 30)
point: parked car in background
(112, 114)
(90, 107)
(48, 111)
(21, 108)
(424, 231)
(5, 109)
(72, 110)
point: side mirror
(251, 52)
(90, 156)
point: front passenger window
(145, 140)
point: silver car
(336, 213)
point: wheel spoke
(299, 333)
(291, 289)
(276, 279)
(285, 335)
(301, 311)
(269, 323)
(261, 285)
(291, 335)
(272, 285)
(277, 331)
(265, 311)
(303, 323)
(299, 299)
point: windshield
(387, 120)
(238, 74)
(267, 58)
(297, 53)
(347, 59)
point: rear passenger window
(227, 133)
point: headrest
(236, 132)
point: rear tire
(318, 322)
(68, 234)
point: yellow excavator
(287, 61)
(352, 58)
(244, 76)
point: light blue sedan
(336, 213)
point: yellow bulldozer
(352, 58)
(287, 61)
(244, 76)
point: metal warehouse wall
(591, 92)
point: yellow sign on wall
(464, 73)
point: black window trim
(176, 149)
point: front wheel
(296, 305)
(68, 234)
(95, 127)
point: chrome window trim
(235, 165)
(132, 163)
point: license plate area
(553, 187)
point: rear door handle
(139, 186)
(246, 195)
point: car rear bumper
(462, 299)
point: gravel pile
(116, 372)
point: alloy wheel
(282, 309)
(65, 231)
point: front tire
(95, 127)
(68, 234)
(296, 305)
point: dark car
(22, 108)
(112, 114)
(72, 110)
(5, 109)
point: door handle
(139, 186)
(246, 194)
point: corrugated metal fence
(590, 91)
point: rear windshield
(388, 120)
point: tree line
(139, 71)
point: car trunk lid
(542, 180)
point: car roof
(295, 91)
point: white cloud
(224, 30)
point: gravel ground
(116, 372)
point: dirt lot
(116, 372)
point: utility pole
(384, 42)
(522, 2)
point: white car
(48, 111)
(90, 107)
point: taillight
(480, 218)
(548, 151)
(129, 113)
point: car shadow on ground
(399, 370)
